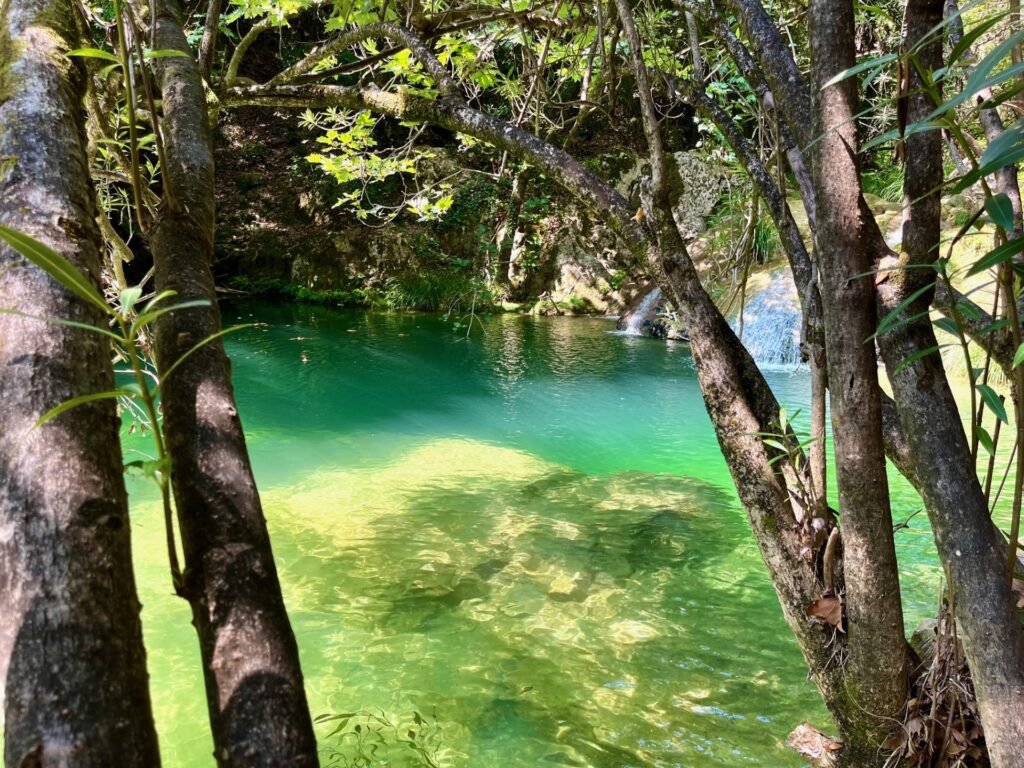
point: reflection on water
(529, 536)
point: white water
(771, 324)
(633, 322)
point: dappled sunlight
(502, 561)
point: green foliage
(271, 287)
(130, 321)
(885, 182)
(474, 204)
(350, 156)
(440, 290)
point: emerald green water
(529, 537)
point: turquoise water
(524, 546)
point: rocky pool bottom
(523, 548)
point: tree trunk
(75, 690)
(258, 710)
(878, 670)
(967, 542)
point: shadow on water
(556, 616)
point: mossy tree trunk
(255, 694)
(72, 663)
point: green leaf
(948, 325)
(993, 401)
(997, 256)
(197, 347)
(910, 360)
(980, 78)
(868, 64)
(1000, 209)
(969, 310)
(158, 298)
(1005, 149)
(55, 265)
(166, 53)
(74, 402)
(996, 325)
(149, 316)
(149, 467)
(128, 298)
(986, 440)
(132, 389)
(968, 40)
(1018, 356)
(94, 53)
(893, 319)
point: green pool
(524, 546)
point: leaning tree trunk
(257, 702)
(72, 663)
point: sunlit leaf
(74, 402)
(93, 53)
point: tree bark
(211, 32)
(72, 662)
(968, 543)
(878, 669)
(779, 68)
(257, 703)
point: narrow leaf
(997, 256)
(55, 265)
(148, 317)
(74, 402)
(985, 439)
(128, 298)
(93, 53)
(892, 319)
(993, 401)
(948, 325)
(872, 63)
(910, 360)
(166, 53)
(200, 345)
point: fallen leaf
(828, 610)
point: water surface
(524, 546)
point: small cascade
(771, 323)
(640, 318)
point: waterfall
(771, 323)
(637, 321)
